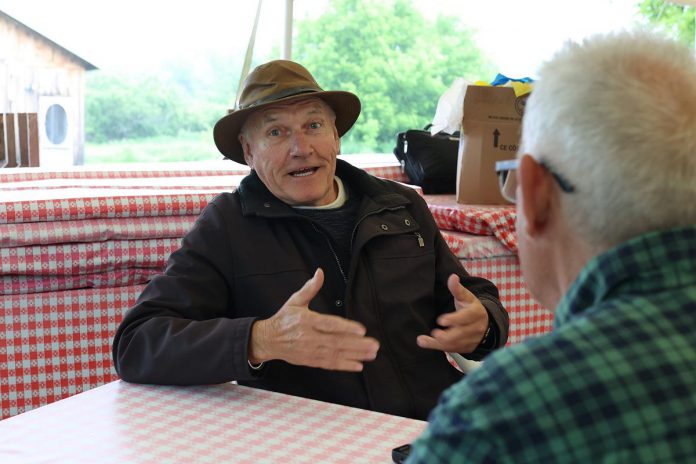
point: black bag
(430, 161)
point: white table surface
(129, 423)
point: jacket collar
(256, 199)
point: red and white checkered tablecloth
(56, 344)
(83, 204)
(485, 257)
(121, 422)
(498, 221)
(387, 167)
(94, 230)
(380, 168)
(37, 196)
(42, 268)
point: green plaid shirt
(615, 381)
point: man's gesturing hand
(464, 328)
(298, 335)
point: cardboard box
(490, 132)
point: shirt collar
(340, 200)
(651, 262)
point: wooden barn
(40, 77)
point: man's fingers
(454, 339)
(343, 353)
(309, 290)
(364, 349)
(465, 316)
(351, 346)
(458, 291)
(328, 324)
(428, 342)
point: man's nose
(299, 144)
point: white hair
(616, 116)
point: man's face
(293, 150)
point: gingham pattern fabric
(30, 175)
(80, 265)
(527, 317)
(468, 246)
(486, 257)
(391, 171)
(94, 230)
(24, 285)
(56, 344)
(83, 258)
(122, 422)
(498, 221)
(89, 207)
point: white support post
(287, 41)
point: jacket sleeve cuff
(497, 333)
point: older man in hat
(313, 278)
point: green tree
(677, 20)
(394, 59)
(119, 107)
(184, 96)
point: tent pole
(287, 41)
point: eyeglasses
(507, 178)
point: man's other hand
(463, 329)
(300, 336)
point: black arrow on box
(496, 134)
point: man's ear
(248, 157)
(338, 139)
(535, 190)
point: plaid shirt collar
(634, 264)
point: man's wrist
(256, 344)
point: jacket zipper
(328, 242)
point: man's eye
(315, 125)
(274, 132)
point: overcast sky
(135, 34)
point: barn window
(56, 124)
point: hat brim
(226, 131)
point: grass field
(197, 146)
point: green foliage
(676, 20)
(181, 97)
(393, 58)
(186, 146)
(119, 108)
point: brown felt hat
(273, 82)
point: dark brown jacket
(248, 252)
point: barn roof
(84, 63)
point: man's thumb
(458, 291)
(309, 290)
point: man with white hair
(606, 214)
